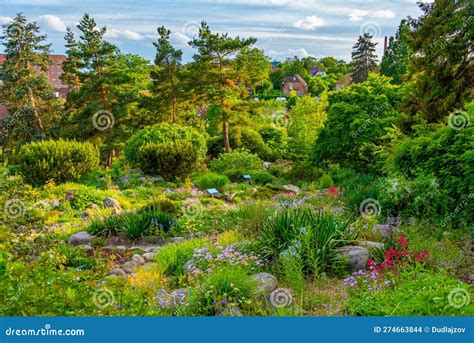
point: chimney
(385, 44)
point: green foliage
(58, 160)
(262, 177)
(222, 289)
(364, 60)
(212, 180)
(415, 293)
(326, 181)
(312, 235)
(240, 161)
(161, 133)
(168, 159)
(164, 205)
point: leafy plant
(212, 180)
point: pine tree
(26, 91)
(397, 58)
(364, 59)
(216, 67)
(442, 69)
(73, 64)
(166, 73)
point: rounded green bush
(263, 177)
(60, 160)
(161, 133)
(212, 180)
(240, 160)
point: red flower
(402, 241)
(332, 191)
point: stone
(200, 234)
(175, 239)
(119, 272)
(291, 188)
(139, 260)
(125, 179)
(93, 207)
(113, 204)
(83, 215)
(149, 256)
(357, 257)
(80, 238)
(370, 244)
(266, 282)
(129, 267)
(230, 197)
(267, 165)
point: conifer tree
(364, 59)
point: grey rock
(149, 256)
(129, 267)
(175, 239)
(93, 206)
(119, 272)
(80, 238)
(188, 267)
(267, 165)
(200, 234)
(139, 260)
(291, 188)
(189, 236)
(266, 282)
(113, 204)
(125, 179)
(357, 257)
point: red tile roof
(294, 78)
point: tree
(442, 72)
(398, 55)
(26, 92)
(73, 63)
(364, 59)
(253, 67)
(215, 63)
(166, 73)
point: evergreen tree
(73, 63)
(215, 65)
(442, 71)
(26, 91)
(364, 59)
(253, 67)
(398, 55)
(167, 86)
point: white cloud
(52, 23)
(309, 23)
(356, 15)
(5, 20)
(179, 38)
(383, 14)
(124, 34)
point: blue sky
(284, 28)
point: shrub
(312, 235)
(163, 205)
(276, 138)
(263, 177)
(326, 181)
(305, 171)
(252, 141)
(240, 160)
(59, 160)
(168, 159)
(212, 180)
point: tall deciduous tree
(215, 61)
(253, 67)
(442, 71)
(364, 59)
(166, 73)
(25, 90)
(396, 59)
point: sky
(284, 28)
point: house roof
(316, 70)
(295, 78)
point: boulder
(119, 272)
(357, 257)
(80, 238)
(113, 204)
(291, 188)
(266, 282)
(188, 267)
(129, 267)
(139, 260)
(200, 234)
(370, 244)
(175, 239)
(149, 256)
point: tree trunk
(225, 126)
(36, 114)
